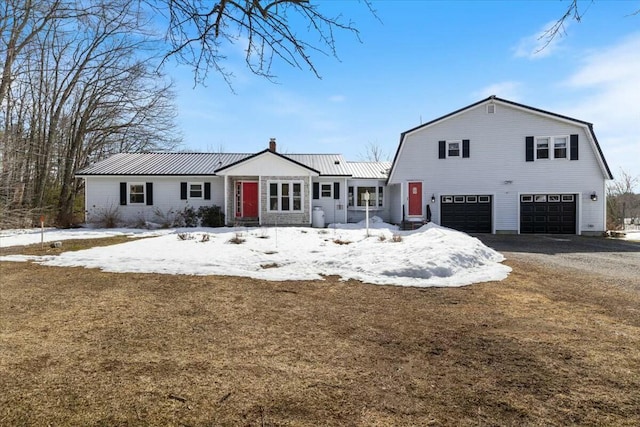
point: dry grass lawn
(83, 347)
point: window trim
(566, 146)
(130, 193)
(189, 196)
(536, 144)
(551, 147)
(454, 141)
(292, 198)
(330, 185)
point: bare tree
(199, 33)
(622, 202)
(573, 13)
(83, 88)
(374, 153)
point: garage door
(548, 213)
(469, 213)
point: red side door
(250, 199)
(415, 199)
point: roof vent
(491, 108)
(336, 162)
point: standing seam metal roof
(208, 163)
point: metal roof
(379, 170)
(162, 164)
(326, 164)
(208, 163)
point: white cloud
(337, 98)
(508, 90)
(540, 45)
(609, 84)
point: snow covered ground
(429, 256)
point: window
(560, 147)
(453, 149)
(551, 147)
(542, 148)
(554, 197)
(136, 193)
(458, 199)
(447, 199)
(356, 196)
(567, 197)
(472, 199)
(285, 196)
(540, 198)
(526, 198)
(326, 191)
(195, 190)
(484, 199)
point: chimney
(272, 144)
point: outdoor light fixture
(594, 196)
(433, 198)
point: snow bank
(429, 256)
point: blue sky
(421, 60)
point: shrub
(382, 238)
(396, 238)
(167, 219)
(108, 217)
(237, 239)
(205, 216)
(185, 236)
(188, 217)
(211, 216)
(341, 242)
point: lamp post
(366, 196)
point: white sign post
(366, 197)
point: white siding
(104, 193)
(497, 165)
(335, 210)
(395, 203)
(357, 214)
(268, 164)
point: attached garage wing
(548, 213)
(468, 213)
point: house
(497, 166)
(264, 188)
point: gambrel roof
(496, 100)
(203, 164)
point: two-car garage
(538, 213)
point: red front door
(415, 199)
(250, 199)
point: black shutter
(465, 148)
(183, 191)
(316, 190)
(149, 193)
(207, 191)
(529, 148)
(336, 190)
(442, 149)
(573, 147)
(123, 193)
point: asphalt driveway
(617, 261)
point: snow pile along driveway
(429, 256)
